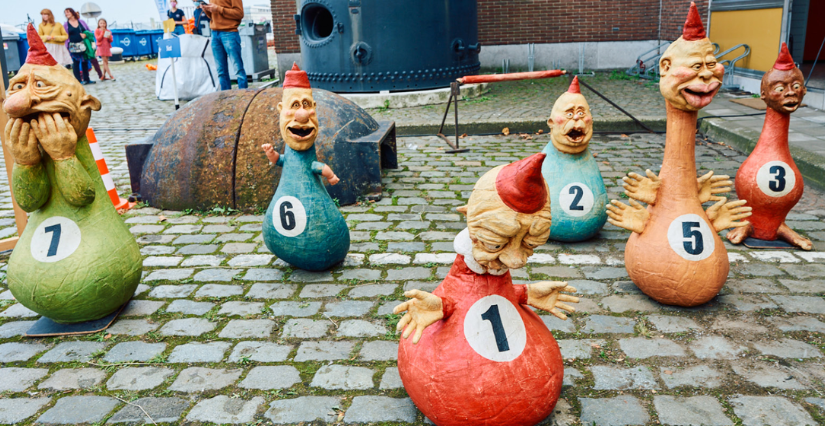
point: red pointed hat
(521, 185)
(574, 86)
(693, 29)
(296, 79)
(784, 62)
(38, 55)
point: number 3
(777, 185)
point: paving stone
(187, 327)
(241, 308)
(14, 351)
(16, 328)
(219, 290)
(324, 351)
(642, 348)
(629, 303)
(217, 229)
(819, 402)
(372, 290)
(160, 410)
(408, 274)
(623, 378)
(237, 247)
(797, 286)
(541, 259)
(788, 348)
(302, 276)
(761, 270)
(696, 376)
(798, 323)
(194, 239)
(767, 376)
(145, 229)
(607, 324)
(204, 260)
(172, 291)
(169, 274)
(809, 304)
(360, 275)
(754, 285)
(578, 349)
(607, 273)
(343, 377)
(247, 260)
(79, 409)
(260, 352)
(132, 327)
(672, 324)
(189, 307)
(295, 309)
(18, 311)
(248, 329)
(141, 308)
(696, 410)
(70, 378)
(16, 410)
(223, 409)
(138, 378)
(406, 247)
(199, 379)
(805, 271)
(303, 409)
(198, 249)
(16, 379)
(154, 261)
(557, 271)
(379, 350)
(199, 352)
(216, 275)
(621, 410)
(134, 351)
(321, 290)
(371, 409)
(746, 303)
(348, 308)
(306, 328)
(769, 411)
(556, 324)
(270, 291)
(588, 287)
(360, 328)
(715, 347)
(271, 377)
(72, 351)
(159, 239)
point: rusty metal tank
(209, 153)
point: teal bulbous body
(577, 194)
(302, 225)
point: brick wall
(543, 21)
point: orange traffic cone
(120, 203)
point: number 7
(55, 230)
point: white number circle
(494, 329)
(55, 239)
(776, 178)
(289, 216)
(691, 237)
(576, 199)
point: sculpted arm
(546, 295)
(59, 140)
(641, 188)
(325, 171)
(633, 218)
(29, 182)
(423, 309)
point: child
(104, 46)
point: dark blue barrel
(156, 36)
(125, 39)
(373, 45)
(23, 47)
(143, 39)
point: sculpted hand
(270, 152)
(22, 142)
(724, 215)
(641, 188)
(710, 185)
(547, 295)
(633, 218)
(423, 309)
(56, 135)
(331, 177)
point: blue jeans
(179, 30)
(223, 43)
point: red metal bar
(491, 78)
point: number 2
(287, 217)
(777, 185)
(55, 230)
(494, 317)
(695, 245)
(579, 193)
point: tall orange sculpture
(675, 255)
(769, 178)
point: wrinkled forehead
(292, 95)
(568, 101)
(774, 76)
(54, 75)
(681, 50)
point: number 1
(494, 317)
(55, 230)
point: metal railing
(730, 65)
(647, 63)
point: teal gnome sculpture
(577, 193)
(303, 226)
(76, 260)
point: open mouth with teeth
(301, 133)
(700, 95)
(575, 135)
(791, 106)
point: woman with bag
(54, 36)
(104, 46)
(78, 26)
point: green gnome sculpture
(76, 260)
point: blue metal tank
(374, 45)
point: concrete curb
(525, 126)
(811, 165)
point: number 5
(695, 245)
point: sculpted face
(571, 125)
(783, 90)
(40, 89)
(502, 238)
(690, 75)
(299, 124)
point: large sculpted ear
(280, 107)
(664, 65)
(462, 209)
(90, 102)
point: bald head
(690, 76)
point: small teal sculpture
(577, 193)
(302, 226)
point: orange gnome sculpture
(769, 178)
(675, 255)
(479, 355)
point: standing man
(200, 16)
(225, 16)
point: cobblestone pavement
(220, 331)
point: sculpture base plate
(756, 243)
(44, 327)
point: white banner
(163, 7)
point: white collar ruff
(463, 245)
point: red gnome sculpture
(769, 179)
(485, 358)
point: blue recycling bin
(126, 40)
(23, 47)
(143, 39)
(156, 36)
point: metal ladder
(730, 66)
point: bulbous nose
(302, 115)
(513, 257)
(18, 104)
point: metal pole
(175, 85)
